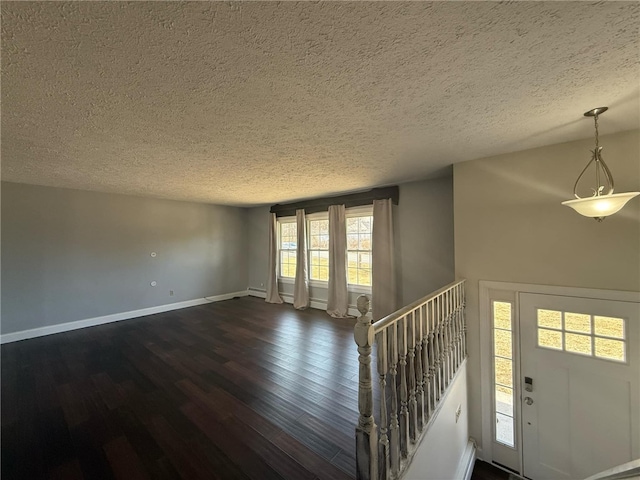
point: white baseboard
(319, 304)
(116, 317)
(313, 303)
(467, 461)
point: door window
(503, 372)
(582, 334)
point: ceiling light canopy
(599, 205)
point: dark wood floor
(235, 389)
(486, 471)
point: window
(503, 368)
(359, 224)
(288, 244)
(359, 229)
(318, 249)
(582, 334)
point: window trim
(512, 360)
(363, 211)
(593, 336)
(279, 223)
(360, 211)
(308, 219)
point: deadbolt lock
(528, 384)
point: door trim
(514, 289)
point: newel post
(366, 433)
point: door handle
(528, 400)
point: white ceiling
(264, 102)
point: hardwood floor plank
(67, 471)
(124, 461)
(110, 393)
(345, 460)
(135, 431)
(72, 404)
(308, 459)
(342, 437)
(486, 471)
(235, 449)
(239, 389)
(59, 445)
(185, 461)
(93, 462)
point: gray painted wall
(72, 255)
(424, 241)
(511, 227)
(424, 237)
(258, 231)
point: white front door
(580, 385)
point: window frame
(364, 211)
(308, 219)
(563, 330)
(495, 356)
(280, 221)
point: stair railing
(419, 349)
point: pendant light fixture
(600, 204)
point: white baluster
(450, 340)
(458, 325)
(445, 343)
(433, 354)
(413, 403)
(404, 409)
(447, 340)
(454, 328)
(419, 371)
(427, 354)
(383, 365)
(394, 434)
(439, 351)
(443, 340)
(464, 324)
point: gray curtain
(338, 299)
(383, 288)
(301, 286)
(272, 280)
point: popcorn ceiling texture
(263, 102)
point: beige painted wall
(510, 226)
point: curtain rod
(358, 199)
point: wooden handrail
(393, 317)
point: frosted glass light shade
(602, 205)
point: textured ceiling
(263, 102)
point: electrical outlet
(171, 293)
(458, 412)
